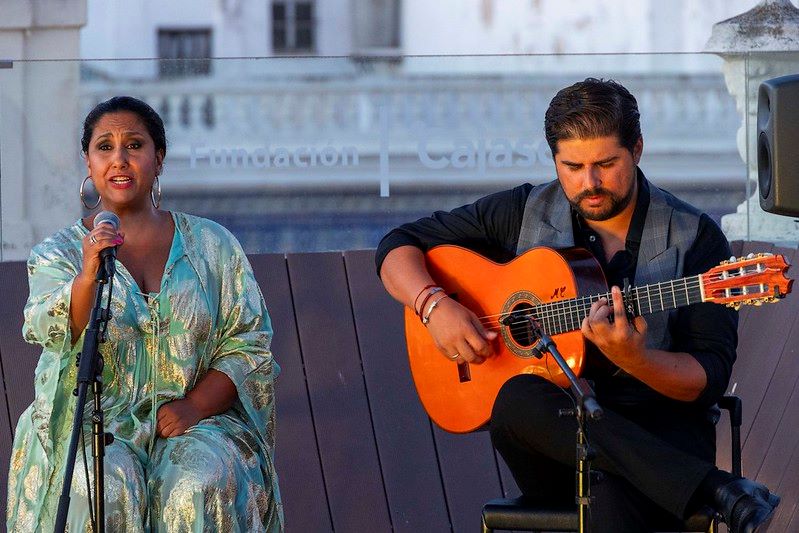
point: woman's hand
(80, 305)
(175, 417)
(101, 237)
(214, 394)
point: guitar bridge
(464, 373)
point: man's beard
(616, 206)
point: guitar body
(459, 397)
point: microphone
(108, 255)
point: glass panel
(306, 154)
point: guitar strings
(566, 315)
(673, 288)
(687, 283)
(575, 304)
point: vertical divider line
(308, 395)
(366, 389)
(5, 395)
(441, 474)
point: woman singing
(188, 378)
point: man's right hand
(457, 330)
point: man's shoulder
(707, 230)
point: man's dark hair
(151, 119)
(593, 108)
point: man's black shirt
(491, 226)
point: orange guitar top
(556, 289)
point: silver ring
(93, 239)
(453, 356)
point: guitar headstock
(749, 280)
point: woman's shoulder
(205, 234)
(64, 242)
(194, 223)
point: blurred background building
(318, 124)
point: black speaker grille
(763, 165)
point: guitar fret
(673, 294)
(567, 316)
(555, 316)
(576, 313)
(543, 320)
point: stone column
(39, 121)
(761, 44)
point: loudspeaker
(778, 145)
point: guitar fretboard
(567, 315)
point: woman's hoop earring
(155, 202)
(83, 198)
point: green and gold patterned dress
(208, 314)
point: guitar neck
(567, 315)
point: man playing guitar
(658, 379)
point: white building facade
(324, 122)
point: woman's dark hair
(593, 108)
(152, 120)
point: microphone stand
(90, 370)
(586, 404)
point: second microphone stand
(586, 405)
(90, 370)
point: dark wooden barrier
(356, 452)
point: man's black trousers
(653, 456)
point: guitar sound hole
(521, 330)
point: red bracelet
(417, 297)
(433, 291)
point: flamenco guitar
(553, 290)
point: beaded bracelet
(433, 291)
(426, 317)
(417, 297)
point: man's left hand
(623, 341)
